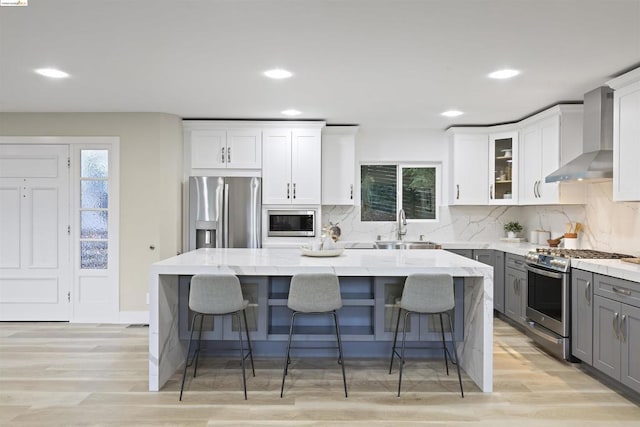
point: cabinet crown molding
(244, 124)
(625, 79)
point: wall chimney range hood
(596, 160)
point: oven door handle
(544, 272)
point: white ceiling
(371, 62)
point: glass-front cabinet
(503, 168)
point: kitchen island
(354, 267)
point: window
(94, 209)
(385, 189)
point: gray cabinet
(494, 259)
(582, 315)
(616, 321)
(515, 288)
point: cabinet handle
(538, 189)
(457, 191)
(535, 195)
(228, 154)
(288, 190)
(351, 191)
(615, 325)
(587, 293)
(623, 327)
(516, 286)
(222, 155)
(294, 190)
(476, 257)
(491, 191)
(626, 292)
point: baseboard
(134, 317)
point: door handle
(535, 195)
(587, 293)
(626, 292)
(294, 190)
(491, 191)
(615, 325)
(538, 189)
(222, 155)
(228, 154)
(351, 191)
(457, 191)
(288, 190)
(623, 327)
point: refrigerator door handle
(255, 217)
(219, 214)
(225, 231)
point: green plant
(513, 226)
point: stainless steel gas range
(549, 295)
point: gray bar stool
(426, 294)
(314, 294)
(217, 295)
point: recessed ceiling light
(504, 74)
(52, 72)
(291, 112)
(452, 113)
(278, 73)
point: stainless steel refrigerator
(224, 212)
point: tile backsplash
(609, 225)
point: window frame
(399, 188)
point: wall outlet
(147, 298)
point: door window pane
(378, 192)
(93, 224)
(93, 255)
(419, 192)
(94, 194)
(94, 163)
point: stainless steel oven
(291, 223)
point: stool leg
(404, 336)
(395, 340)
(246, 329)
(344, 378)
(186, 361)
(244, 376)
(444, 344)
(197, 354)
(455, 351)
(286, 359)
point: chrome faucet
(402, 224)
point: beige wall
(150, 183)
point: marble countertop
(609, 267)
(352, 262)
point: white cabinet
(469, 184)
(548, 141)
(626, 136)
(503, 168)
(291, 166)
(212, 145)
(339, 165)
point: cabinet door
(626, 143)
(512, 300)
(498, 282)
(244, 148)
(582, 315)
(549, 160)
(208, 149)
(338, 168)
(470, 155)
(606, 346)
(306, 155)
(530, 164)
(503, 168)
(276, 166)
(485, 256)
(254, 290)
(630, 336)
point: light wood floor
(68, 374)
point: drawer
(515, 261)
(617, 289)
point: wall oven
(291, 223)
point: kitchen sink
(405, 244)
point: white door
(470, 169)
(244, 148)
(208, 149)
(531, 164)
(306, 164)
(550, 160)
(35, 273)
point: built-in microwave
(291, 223)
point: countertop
(352, 262)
